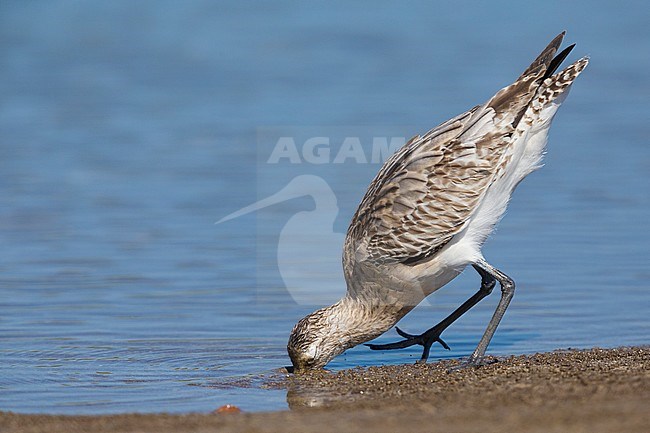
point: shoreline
(595, 390)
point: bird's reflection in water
(307, 390)
(308, 394)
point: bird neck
(354, 321)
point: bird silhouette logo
(309, 250)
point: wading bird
(428, 212)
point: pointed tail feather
(546, 57)
(557, 61)
(559, 83)
(513, 100)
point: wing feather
(427, 191)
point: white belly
(465, 247)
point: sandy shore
(566, 391)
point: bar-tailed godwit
(428, 212)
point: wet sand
(595, 390)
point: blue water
(128, 128)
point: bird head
(315, 340)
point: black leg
(432, 335)
(507, 292)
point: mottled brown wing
(426, 192)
